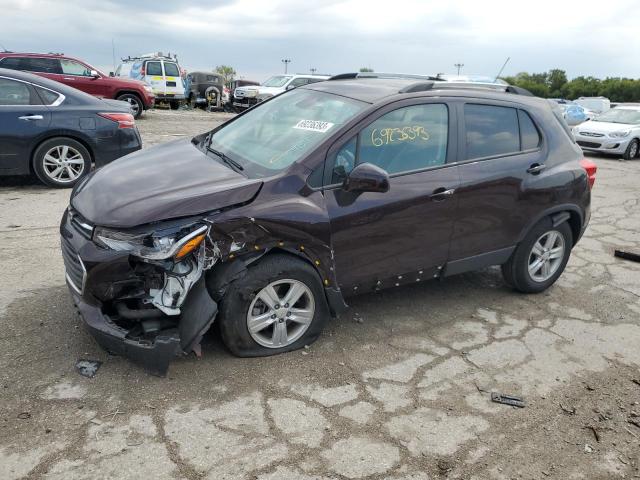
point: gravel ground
(397, 388)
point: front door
(400, 236)
(78, 75)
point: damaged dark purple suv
(266, 223)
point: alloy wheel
(63, 164)
(546, 256)
(133, 105)
(280, 313)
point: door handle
(536, 168)
(31, 117)
(442, 193)
(69, 78)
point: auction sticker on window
(313, 125)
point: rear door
(502, 155)
(172, 78)
(154, 76)
(23, 118)
(380, 239)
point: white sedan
(616, 131)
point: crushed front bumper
(152, 356)
(101, 283)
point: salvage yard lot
(398, 387)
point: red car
(81, 75)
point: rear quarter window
(529, 135)
(12, 63)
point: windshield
(615, 115)
(269, 138)
(277, 81)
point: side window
(529, 136)
(491, 130)
(14, 63)
(48, 97)
(298, 82)
(344, 161)
(154, 68)
(42, 65)
(409, 138)
(15, 93)
(70, 67)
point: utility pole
(113, 53)
(286, 62)
(313, 70)
(458, 66)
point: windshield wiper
(232, 163)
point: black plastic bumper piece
(154, 356)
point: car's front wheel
(277, 306)
(632, 150)
(61, 162)
(540, 258)
(134, 102)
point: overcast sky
(410, 36)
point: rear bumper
(124, 142)
(165, 97)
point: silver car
(616, 131)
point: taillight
(591, 169)
(124, 120)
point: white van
(597, 105)
(160, 71)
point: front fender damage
(174, 304)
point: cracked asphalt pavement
(399, 387)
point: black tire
(174, 104)
(137, 107)
(516, 270)
(43, 168)
(234, 306)
(632, 150)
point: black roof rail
(429, 82)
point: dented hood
(171, 180)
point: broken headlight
(161, 244)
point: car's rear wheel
(540, 258)
(278, 306)
(136, 105)
(174, 104)
(61, 162)
(632, 150)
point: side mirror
(111, 74)
(94, 74)
(290, 87)
(367, 177)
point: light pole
(458, 66)
(286, 62)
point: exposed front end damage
(146, 310)
(153, 310)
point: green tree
(227, 72)
(557, 79)
(366, 70)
